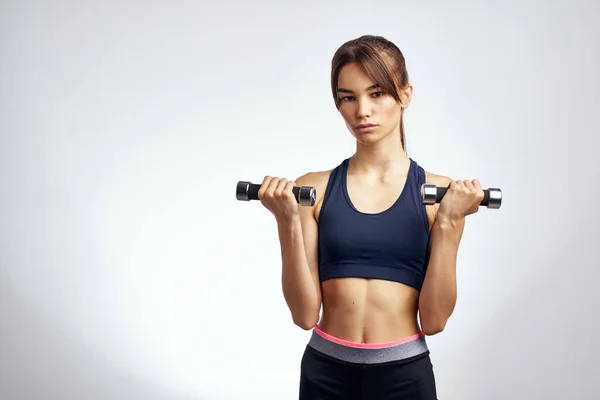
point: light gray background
(129, 271)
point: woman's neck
(381, 158)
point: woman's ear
(406, 95)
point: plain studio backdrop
(128, 270)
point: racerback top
(390, 245)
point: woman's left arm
(438, 293)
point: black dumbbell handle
(492, 197)
(441, 192)
(253, 189)
(246, 191)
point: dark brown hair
(381, 59)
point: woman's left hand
(461, 199)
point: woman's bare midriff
(369, 310)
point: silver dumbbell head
(307, 196)
(428, 193)
(495, 200)
(241, 191)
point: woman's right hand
(277, 196)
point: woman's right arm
(298, 237)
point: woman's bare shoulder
(314, 178)
(437, 179)
(319, 180)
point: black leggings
(323, 377)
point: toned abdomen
(369, 310)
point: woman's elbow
(305, 324)
(431, 330)
(432, 327)
(306, 321)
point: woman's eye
(350, 98)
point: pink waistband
(349, 343)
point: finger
(454, 186)
(477, 188)
(270, 192)
(289, 187)
(468, 185)
(288, 190)
(263, 187)
(280, 187)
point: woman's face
(369, 113)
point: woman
(369, 252)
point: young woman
(380, 264)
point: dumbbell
(431, 194)
(246, 191)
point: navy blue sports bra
(391, 245)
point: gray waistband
(368, 355)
